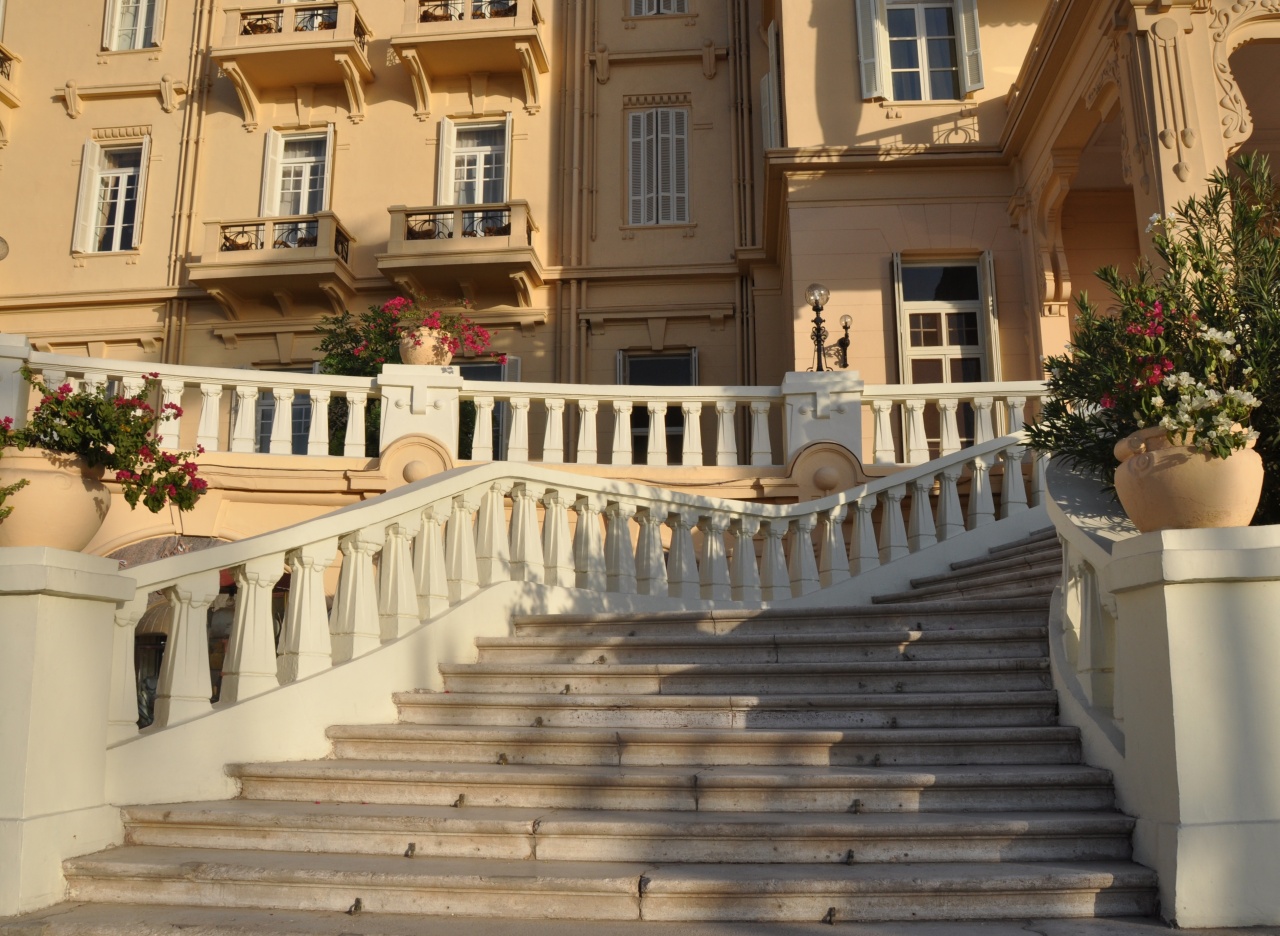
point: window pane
(940, 284)
(902, 24)
(926, 330)
(481, 137)
(938, 21)
(944, 86)
(966, 370)
(906, 86)
(123, 159)
(904, 53)
(928, 370)
(942, 53)
(668, 370)
(312, 149)
(962, 328)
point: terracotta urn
(424, 347)
(63, 505)
(1164, 486)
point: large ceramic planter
(63, 504)
(424, 347)
(1163, 486)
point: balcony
(488, 247)
(8, 94)
(276, 261)
(267, 47)
(452, 38)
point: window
(297, 173)
(299, 425)
(659, 158)
(771, 94)
(112, 197)
(657, 7)
(474, 168)
(132, 24)
(501, 418)
(658, 370)
(919, 50)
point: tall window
(480, 165)
(132, 24)
(297, 173)
(678, 369)
(656, 7)
(919, 50)
(111, 197)
(659, 166)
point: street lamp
(842, 346)
(817, 294)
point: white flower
(1157, 402)
(1153, 221)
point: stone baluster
(714, 567)
(588, 549)
(761, 444)
(557, 542)
(282, 422)
(493, 538)
(431, 579)
(318, 433)
(1017, 410)
(207, 429)
(460, 549)
(682, 564)
(170, 424)
(691, 453)
(921, 532)
(893, 532)
(882, 445)
(482, 440)
(726, 433)
(802, 568)
(775, 580)
(354, 446)
(651, 569)
(950, 516)
(917, 442)
(864, 554)
(587, 454)
(620, 559)
(91, 382)
(397, 592)
(622, 453)
(184, 688)
(249, 668)
(518, 443)
(1039, 483)
(983, 429)
(981, 506)
(131, 385)
(1013, 491)
(122, 706)
(553, 434)
(833, 558)
(355, 623)
(244, 428)
(657, 433)
(54, 378)
(744, 571)
(305, 644)
(950, 428)
(527, 561)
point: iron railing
(6, 67)
(296, 234)
(342, 245)
(242, 237)
(261, 22)
(436, 11)
(315, 19)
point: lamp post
(817, 294)
(842, 346)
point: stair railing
(409, 555)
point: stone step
(926, 615)
(992, 788)
(1035, 552)
(1035, 587)
(600, 835)
(748, 678)
(883, 710)
(705, 747)
(1027, 563)
(1033, 539)
(569, 890)
(936, 644)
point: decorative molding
(529, 71)
(244, 91)
(351, 80)
(657, 100)
(74, 94)
(1170, 94)
(418, 78)
(116, 134)
(1228, 18)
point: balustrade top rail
(337, 17)
(322, 231)
(508, 390)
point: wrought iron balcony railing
(6, 66)
(280, 234)
(433, 225)
(436, 11)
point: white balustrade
(305, 646)
(356, 623)
(657, 433)
(620, 560)
(714, 562)
(249, 668)
(651, 569)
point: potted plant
(1170, 390)
(432, 335)
(71, 440)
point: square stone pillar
(420, 399)
(823, 406)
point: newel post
(420, 399)
(822, 407)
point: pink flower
(1107, 401)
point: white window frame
(873, 47)
(985, 307)
(446, 157)
(155, 9)
(273, 165)
(658, 194)
(92, 171)
(658, 7)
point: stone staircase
(894, 762)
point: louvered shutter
(680, 165)
(673, 6)
(1, 20)
(157, 29)
(987, 270)
(109, 24)
(775, 85)
(666, 166)
(144, 170)
(970, 46)
(446, 141)
(86, 201)
(904, 330)
(872, 19)
(272, 147)
(766, 111)
(636, 158)
(651, 179)
(640, 7)
(507, 160)
(328, 168)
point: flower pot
(63, 505)
(424, 347)
(1163, 486)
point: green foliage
(1193, 345)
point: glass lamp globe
(817, 294)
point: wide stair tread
(1032, 563)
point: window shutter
(636, 121)
(273, 146)
(872, 22)
(109, 24)
(970, 46)
(507, 160)
(987, 271)
(328, 168)
(144, 170)
(2, 20)
(511, 370)
(637, 7)
(775, 84)
(86, 201)
(680, 165)
(904, 330)
(157, 29)
(446, 140)
(666, 166)
(766, 111)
